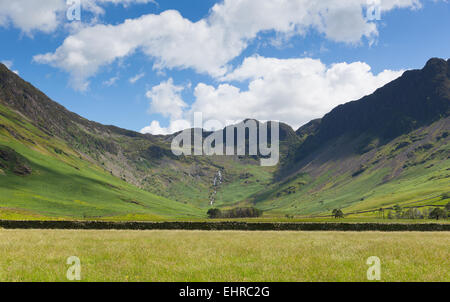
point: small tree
(438, 213)
(398, 211)
(390, 215)
(214, 213)
(447, 207)
(337, 213)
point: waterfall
(216, 183)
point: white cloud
(175, 126)
(29, 15)
(159, 36)
(166, 99)
(111, 81)
(47, 15)
(293, 91)
(136, 77)
(209, 44)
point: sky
(148, 65)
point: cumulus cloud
(46, 16)
(174, 126)
(166, 99)
(208, 45)
(136, 77)
(171, 39)
(293, 91)
(29, 15)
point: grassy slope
(222, 256)
(396, 180)
(63, 185)
(190, 180)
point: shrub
(390, 215)
(242, 213)
(214, 213)
(447, 207)
(438, 213)
(398, 211)
(235, 213)
(337, 213)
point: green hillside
(59, 184)
(410, 168)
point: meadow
(41, 255)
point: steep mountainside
(42, 177)
(416, 99)
(388, 147)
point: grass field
(38, 255)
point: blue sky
(215, 61)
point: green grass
(40, 255)
(64, 186)
(425, 174)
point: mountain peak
(437, 66)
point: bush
(242, 213)
(214, 213)
(398, 211)
(235, 213)
(438, 213)
(390, 215)
(337, 213)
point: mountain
(416, 99)
(389, 147)
(32, 125)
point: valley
(389, 148)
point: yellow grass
(40, 255)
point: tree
(337, 213)
(438, 213)
(412, 213)
(398, 211)
(214, 213)
(447, 207)
(390, 215)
